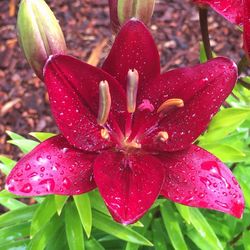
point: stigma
(170, 103)
(132, 88)
(104, 103)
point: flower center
(114, 132)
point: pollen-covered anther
(104, 134)
(162, 136)
(132, 87)
(104, 103)
(170, 103)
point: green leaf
(198, 240)
(25, 145)
(46, 233)
(14, 136)
(84, 209)
(106, 224)
(11, 203)
(17, 216)
(14, 232)
(60, 201)
(246, 240)
(58, 241)
(7, 165)
(97, 202)
(74, 230)
(204, 229)
(225, 153)
(184, 212)
(224, 122)
(42, 136)
(18, 245)
(173, 228)
(203, 57)
(43, 214)
(158, 236)
(93, 244)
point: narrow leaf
(84, 209)
(106, 224)
(173, 228)
(25, 145)
(60, 201)
(43, 214)
(74, 230)
(42, 136)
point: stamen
(104, 103)
(162, 136)
(132, 87)
(105, 133)
(171, 103)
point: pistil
(132, 88)
(104, 103)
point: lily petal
(134, 48)
(232, 10)
(196, 178)
(53, 167)
(203, 89)
(246, 27)
(73, 88)
(128, 184)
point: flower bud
(123, 10)
(39, 34)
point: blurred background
(24, 103)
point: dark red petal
(53, 167)
(113, 11)
(73, 88)
(134, 48)
(246, 27)
(196, 178)
(232, 10)
(128, 184)
(203, 89)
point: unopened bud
(39, 33)
(123, 10)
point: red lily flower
(235, 11)
(135, 142)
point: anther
(171, 103)
(104, 103)
(162, 136)
(104, 134)
(132, 87)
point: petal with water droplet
(134, 48)
(203, 88)
(73, 88)
(128, 184)
(226, 196)
(64, 172)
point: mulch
(24, 103)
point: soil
(24, 103)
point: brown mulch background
(175, 26)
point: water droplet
(206, 181)
(235, 181)
(66, 183)
(19, 174)
(27, 188)
(221, 204)
(42, 169)
(27, 167)
(201, 195)
(49, 184)
(48, 157)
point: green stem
(204, 32)
(244, 84)
(242, 64)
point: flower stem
(204, 32)
(242, 64)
